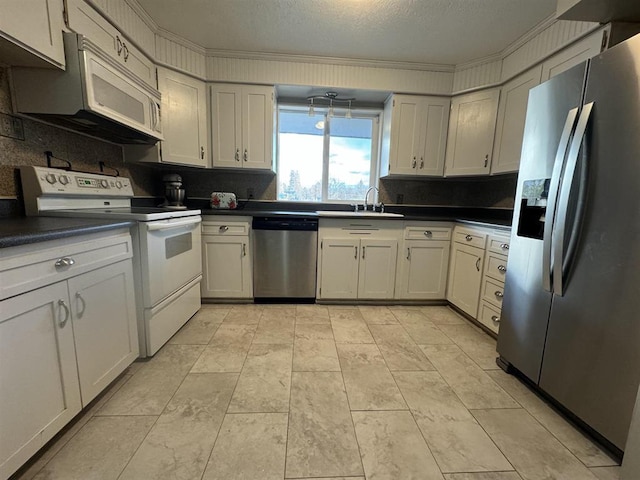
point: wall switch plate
(11, 126)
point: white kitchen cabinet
(465, 269)
(40, 392)
(510, 123)
(572, 55)
(242, 126)
(31, 33)
(67, 329)
(414, 135)
(82, 18)
(423, 262)
(226, 258)
(357, 259)
(493, 276)
(471, 131)
(184, 119)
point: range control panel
(43, 181)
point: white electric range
(167, 263)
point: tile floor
(310, 391)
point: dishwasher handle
(277, 223)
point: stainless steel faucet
(366, 195)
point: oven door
(170, 252)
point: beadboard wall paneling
(139, 28)
(479, 74)
(553, 38)
(247, 70)
(181, 56)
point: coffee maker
(173, 192)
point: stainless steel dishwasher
(285, 252)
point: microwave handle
(154, 113)
(168, 226)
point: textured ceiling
(422, 31)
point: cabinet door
(339, 258)
(423, 270)
(226, 268)
(465, 274)
(377, 273)
(40, 391)
(35, 25)
(471, 129)
(433, 136)
(226, 125)
(257, 127)
(104, 325)
(510, 123)
(572, 56)
(184, 119)
(405, 134)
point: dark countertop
(23, 230)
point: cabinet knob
(421, 163)
(246, 155)
(126, 51)
(504, 246)
(468, 238)
(119, 45)
(498, 294)
(408, 253)
(356, 254)
(495, 318)
(244, 249)
(202, 153)
(237, 154)
(67, 313)
(502, 268)
(486, 160)
(414, 163)
(81, 302)
(428, 233)
(64, 262)
(478, 264)
(223, 228)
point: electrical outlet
(249, 193)
(11, 126)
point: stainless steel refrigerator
(571, 311)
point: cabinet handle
(119, 45)
(67, 312)
(421, 163)
(408, 253)
(468, 238)
(126, 51)
(363, 252)
(244, 249)
(502, 268)
(428, 233)
(414, 163)
(223, 228)
(486, 160)
(498, 294)
(246, 155)
(237, 154)
(64, 262)
(504, 246)
(202, 153)
(495, 318)
(356, 254)
(84, 305)
(478, 264)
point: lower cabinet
(465, 275)
(64, 340)
(339, 263)
(226, 259)
(377, 270)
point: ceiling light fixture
(333, 99)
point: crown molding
(142, 13)
(166, 34)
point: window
(326, 159)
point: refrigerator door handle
(560, 264)
(554, 187)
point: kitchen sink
(345, 214)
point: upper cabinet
(414, 135)
(184, 121)
(242, 126)
(31, 33)
(573, 55)
(471, 130)
(83, 19)
(510, 124)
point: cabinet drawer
(496, 266)
(470, 237)
(498, 244)
(220, 227)
(427, 233)
(489, 316)
(492, 291)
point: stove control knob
(104, 184)
(63, 179)
(118, 184)
(51, 178)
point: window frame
(322, 112)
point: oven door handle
(168, 226)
